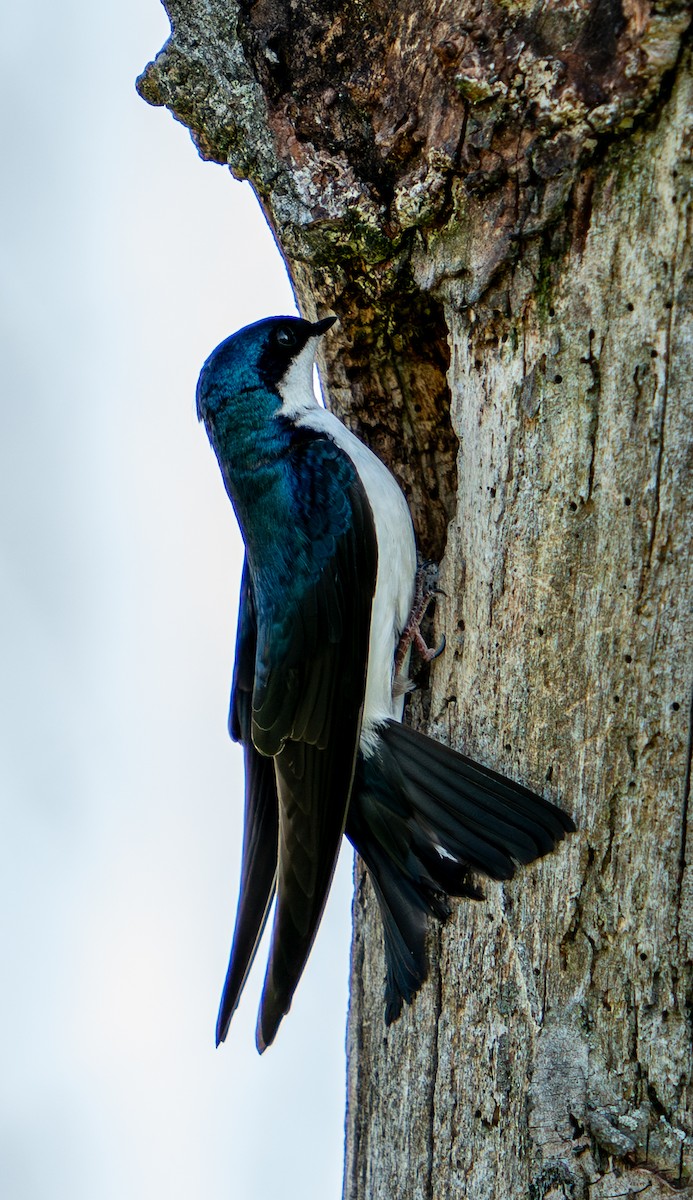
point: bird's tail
(422, 817)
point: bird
(319, 683)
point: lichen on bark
(374, 156)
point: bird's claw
(428, 653)
(426, 589)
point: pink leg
(424, 592)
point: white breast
(394, 589)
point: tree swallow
(326, 594)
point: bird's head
(267, 365)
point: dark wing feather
(260, 834)
(422, 816)
(307, 705)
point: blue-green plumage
(308, 585)
(327, 588)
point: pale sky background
(125, 260)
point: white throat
(296, 386)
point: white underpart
(394, 588)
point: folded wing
(311, 650)
(259, 861)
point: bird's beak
(320, 327)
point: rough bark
(495, 199)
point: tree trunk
(495, 199)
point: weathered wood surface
(557, 1032)
(496, 200)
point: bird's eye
(285, 337)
